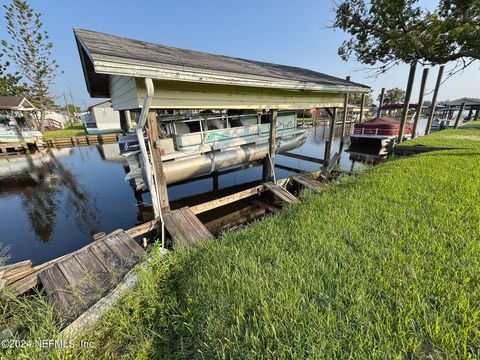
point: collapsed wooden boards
(185, 227)
(76, 282)
(307, 182)
(281, 193)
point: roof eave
(118, 66)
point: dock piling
(406, 103)
(420, 101)
(459, 115)
(434, 100)
(329, 142)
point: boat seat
(215, 124)
(182, 128)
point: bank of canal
(53, 204)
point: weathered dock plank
(307, 182)
(76, 282)
(185, 227)
(281, 193)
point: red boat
(383, 129)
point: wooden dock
(83, 140)
(184, 227)
(13, 148)
(79, 280)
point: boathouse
(141, 75)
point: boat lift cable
(143, 150)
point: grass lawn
(382, 265)
(466, 136)
(67, 132)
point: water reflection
(53, 201)
(55, 191)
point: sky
(296, 33)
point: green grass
(466, 136)
(67, 132)
(382, 265)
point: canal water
(52, 203)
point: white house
(101, 118)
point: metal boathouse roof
(104, 56)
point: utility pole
(67, 108)
(74, 106)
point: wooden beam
(362, 108)
(185, 227)
(406, 102)
(329, 142)
(288, 168)
(459, 115)
(303, 157)
(382, 98)
(308, 182)
(434, 100)
(420, 101)
(143, 228)
(270, 158)
(281, 193)
(159, 175)
(344, 121)
(197, 209)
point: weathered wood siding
(184, 95)
(123, 92)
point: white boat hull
(204, 164)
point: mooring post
(406, 103)
(215, 180)
(269, 161)
(382, 97)
(160, 182)
(362, 109)
(329, 142)
(459, 115)
(434, 100)
(420, 101)
(344, 121)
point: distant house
(15, 103)
(55, 120)
(101, 118)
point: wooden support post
(362, 109)
(434, 100)
(406, 103)
(382, 97)
(128, 120)
(344, 121)
(477, 114)
(160, 182)
(459, 115)
(215, 180)
(269, 160)
(329, 142)
(420, 101)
